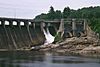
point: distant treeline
(90, 13)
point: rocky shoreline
(85, 46)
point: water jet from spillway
(48, 36)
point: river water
(45, 59)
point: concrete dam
(24, 33)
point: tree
(91, 13)
(51, 14)
(41, 17)
(66, 12)
(58, 14)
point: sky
(31, 8)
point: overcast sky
(31, 8)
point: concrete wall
(24, 33)
(19, 33)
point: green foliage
(66, 12)
(88, 13)
(95, 24)
(57, 37)
(51, 14)
(41, 17)
(58, 14)
(91, 13)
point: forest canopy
(86, 12)
(90, 13)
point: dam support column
(61, 28)
(85, 26)
(28, 31)
(60, 32)
(42, 26)
(11, 31)
(73, 27)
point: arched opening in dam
(53, 28)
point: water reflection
(43, 59)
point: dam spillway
(24, 33)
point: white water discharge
(48, 36)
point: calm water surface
(41, 59)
